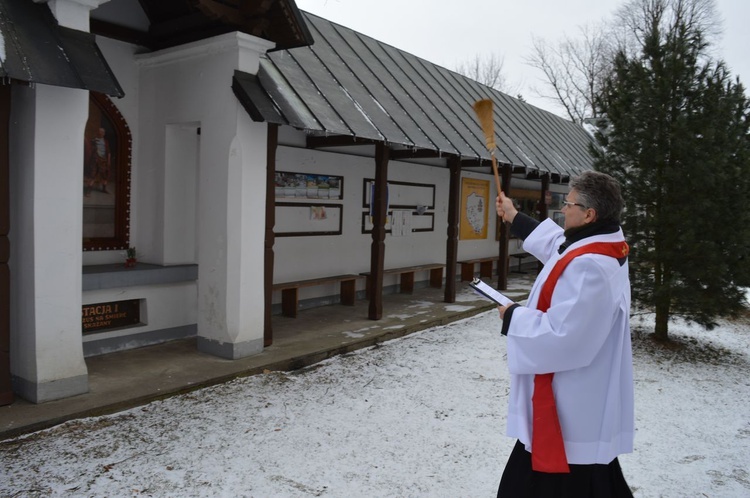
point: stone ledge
(97, 277)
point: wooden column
(268, 256)
(543, 206)
(379, 204)
(451, 251)
(6, 393)
(502, 263)
(543, 209)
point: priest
(569, 353)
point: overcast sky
(449, 33)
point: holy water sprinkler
(483, 108)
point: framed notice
(475, 197)
(99, 317)
(302, 219)
(308, 186)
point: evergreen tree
(677, 139)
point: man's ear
(590, 215)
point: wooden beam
(257, 8)
(6, 391)
(234, 14)
(317, 142)
(543, 206)
(195, 21)
(416, 154)
(379, 204)
(272, 142)
(534, 174)
(222, 12)
(121, 33)
(504, 253)
(478, 163)
(543, 210)
(451, 250)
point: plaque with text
(105, 316)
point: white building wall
(165, 308)
(303, 257)
(191, 86)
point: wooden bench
(485, 267)
(520, 257)
(407, 276)
(290, 291)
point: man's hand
(505, 207)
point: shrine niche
(106, 177)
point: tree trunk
(662, 298)
(661, 328)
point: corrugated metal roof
(35, 49)
(353, 85)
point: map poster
(475, 196)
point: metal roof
(353, 85)
(36, 49)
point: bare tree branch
(488, 71)
(573, 69)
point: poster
(475, 196)
(308, 186)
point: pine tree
(677, 139)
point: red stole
(547, 447)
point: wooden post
(6, 392)
(451, 250)
(543, 209)
(504, 253)
(270, 238)
(379, 204)
(543, 206)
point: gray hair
(600, 192)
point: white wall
(190, 86)
(314, 256)
(304, 257)
(166, 307)
(301, 257)
(173, 93)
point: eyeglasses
(570, 204)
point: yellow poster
(475, 196)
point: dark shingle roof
(38, 50)
(353, 85)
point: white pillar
(46, 163)
(190, 86)
(47, 220)
(72, 13)
(230, 282)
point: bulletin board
(424, 222)
(475, 198)
(308, 186)
(299, 219)
(402, 195)
(410, 207)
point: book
(490, 293)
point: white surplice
(584, 338)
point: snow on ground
(420, 416)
